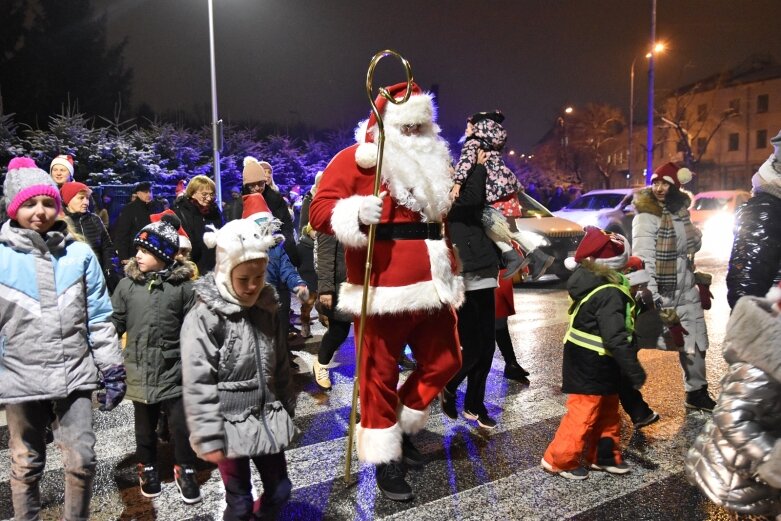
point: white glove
(371, 209)
(302, 293)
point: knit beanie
(25, 180)
(184, 239)
(253, 171)
(161, 238)
(609, 249)
(70, 189)
(62, 160)
(238, 241)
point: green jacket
(151, 308)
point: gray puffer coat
(151, 308)
(237, 392)
(736, 459)
(686, 299)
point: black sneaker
(410, 454)
(700, 400)
(184, 476)
(577, 474)
(147, 478)
(391, 482)
(651, 417)
(612, 468)
(448, 402)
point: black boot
(448, 402)
(700, 400)
(410, 454)
(391, 482)
(512, 369)
(512, 262)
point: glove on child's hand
(302, 292)
(677, 332)
(113, 387)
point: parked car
(610, 209)
(714, 214)
(561, 235)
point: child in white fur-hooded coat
(736, 459)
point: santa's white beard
(417, 172)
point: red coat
(407, 275)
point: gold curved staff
(372, 230)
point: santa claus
(413, 286)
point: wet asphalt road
(471, 474)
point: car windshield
(531, 208)
(596, 201)
(710, 203)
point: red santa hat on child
(673, 174)
(418, 109)
(184, 239)
(610, 249)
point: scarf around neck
(667, 249)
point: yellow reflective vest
(589, 340)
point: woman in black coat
(197, 209)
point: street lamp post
(650, 141)
(216, 124)
(631, 115)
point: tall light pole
(657, 48)
(216, 124)
(650, 141)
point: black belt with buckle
(407, 231)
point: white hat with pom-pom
(238, 241)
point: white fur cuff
(412, 420)
(377, 446)
(345, 223)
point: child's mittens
(113, 386)
(705, 295)
(677, 332)
(302, 292)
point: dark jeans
(337, 333)
(478, 343)
(146, 417)
(236, 478)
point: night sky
(306, 60)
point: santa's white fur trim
(377, 446)
(345, 223)
(445, 288)
(412, 420)
(366, 155)
(418, 109)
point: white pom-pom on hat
(249, 159)
(366, 155)
(684, 175)
(570, 263)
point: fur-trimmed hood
(181, 270)
(589, 275)
(206, 290)
(645, 201)
(754, 335)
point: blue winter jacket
(280, 270)
(55, 316)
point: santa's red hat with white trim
(610, 249)
(673, 174)
(418, 109)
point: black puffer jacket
(465, 227)
(755, 264)
(194, 223)
(604, 314)
(151, 308)
(91, 227)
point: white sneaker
(322, 377)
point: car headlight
(534, 238)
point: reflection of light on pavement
(717, 235)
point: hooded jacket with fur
(686, 299)
(736, 459)
(237, 385)
(151, 307)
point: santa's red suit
(413, 283)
